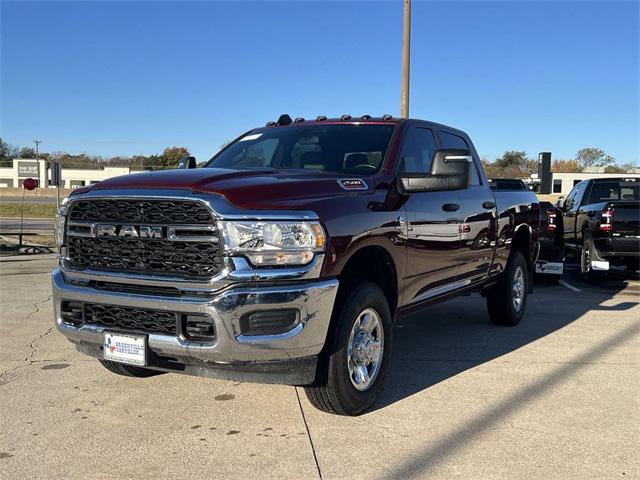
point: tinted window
(575, 195)
(417, 150)
(347, 148)
(616, 190)
(449, 140)
(557, 186)
(506, 184)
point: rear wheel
(351, 372)
(586, 270)
(128, 370)
(507, 301)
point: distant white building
(39, 170)
(562, 183)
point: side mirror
(187, 162)
(560, 203)
(449, 171)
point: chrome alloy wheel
(365, 349)
(517, 290)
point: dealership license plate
(125, 348)
(550, 268)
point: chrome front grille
(159, 237)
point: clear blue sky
(121, 78)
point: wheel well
(522, 241)
(376, 265)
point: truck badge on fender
(352, 184)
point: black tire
(129, 370)
(586, 254)
(500, 301)
(333, 391)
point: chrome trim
(314, 301)
(176, 237)
(434, 292)
(90, 234)
(236, 270)
(468, 158)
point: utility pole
(406, 54)
(38, 142)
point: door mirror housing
(187, 162)
(560, 203)
(449, 171)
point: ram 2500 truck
(288, 256)
(601, 220)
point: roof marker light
(386, 116)
(345, 117)
(365, 117)
(284, 119)
(298, 120)
(271, 124)
(321, 118)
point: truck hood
(248, 189)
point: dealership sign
(28, 168)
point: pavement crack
(306, 427)
(36, 307)
(33, 344)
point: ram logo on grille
(134, 231)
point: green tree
(170, 157)
(7, 154)
(559, 166)
(593, 157)
(512, 158)
(27, 152)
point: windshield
(348, 148)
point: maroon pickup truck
(290, 254)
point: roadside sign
(29, 183)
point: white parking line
(569, 286)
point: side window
(449, 140)
(574, 196)
(417, 150)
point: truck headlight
(273, 243)
(58, 229)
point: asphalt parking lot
(556, 397)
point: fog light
(198, 327)
(270, 322)
(72, 313)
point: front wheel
(351, 372)
(507, 301)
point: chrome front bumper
(313, 299)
